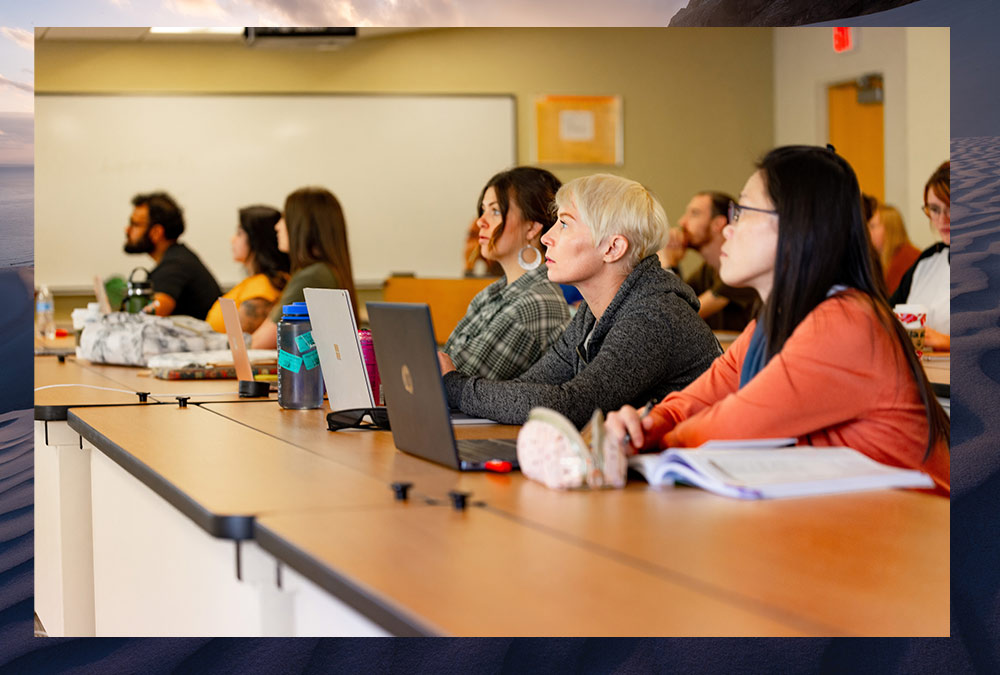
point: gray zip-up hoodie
(649, 342)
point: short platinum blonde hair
(611, 205)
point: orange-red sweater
(840, 379)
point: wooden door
(855, 112)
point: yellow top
(256, 286)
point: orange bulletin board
(579, 130)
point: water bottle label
(305, 342)
(289, 361)
(311, 359)
(44, 306)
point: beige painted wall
(915, 63)
(698, 103)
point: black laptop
(415, 396)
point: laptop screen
(411, 380)
(340, 357)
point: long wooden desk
(141, 379)
(221, 474)
(174, 493)
(938, 369)
(824, 565)
(178, 493)
(64, 592)
(52, 404)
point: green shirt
(317, 275)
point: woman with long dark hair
(514, 320)
(255, 245)
(313, 232)
(825, 361)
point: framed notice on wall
(579, 130)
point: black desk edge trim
(942, 390)
(221, 527)
(60, 413)
(392, 618)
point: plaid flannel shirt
(508, 326)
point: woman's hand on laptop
(446, 364)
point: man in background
(181, 282)
(722, 307)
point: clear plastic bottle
(300, 381)
(45, 313)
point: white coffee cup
(914, 320)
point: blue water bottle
(300, 381)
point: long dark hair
(317, 232)
(532, 189)
(258, 223)
(823, 241)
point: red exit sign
(843, 39)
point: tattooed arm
(252, 313)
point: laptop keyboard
(484, 449)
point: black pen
(627, 440)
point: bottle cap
(297, 311)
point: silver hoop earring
(525, 265)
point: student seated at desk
(514, 320)
(825, 361)
(637, 334)
(255, 244)
(894, 248)
(314, 234)
(928, 281)
(181, 282)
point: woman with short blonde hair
(637, 334)
(611, 205)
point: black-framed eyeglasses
(736, 210)
(354, 418)
(935, 212)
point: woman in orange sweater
(825, 361)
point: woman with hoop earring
(637, 335)
(514, 320)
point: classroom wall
(915, 64)
(698, 103)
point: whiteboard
(406, 169)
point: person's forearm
(265, 337)
(939, 342)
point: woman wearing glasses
(826, 361)
(928, 281)
(637, 334)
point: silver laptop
(415, 396)
(335, 333)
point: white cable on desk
(88, 386)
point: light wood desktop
(681, 560)
(841, 570)
(52, 403)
